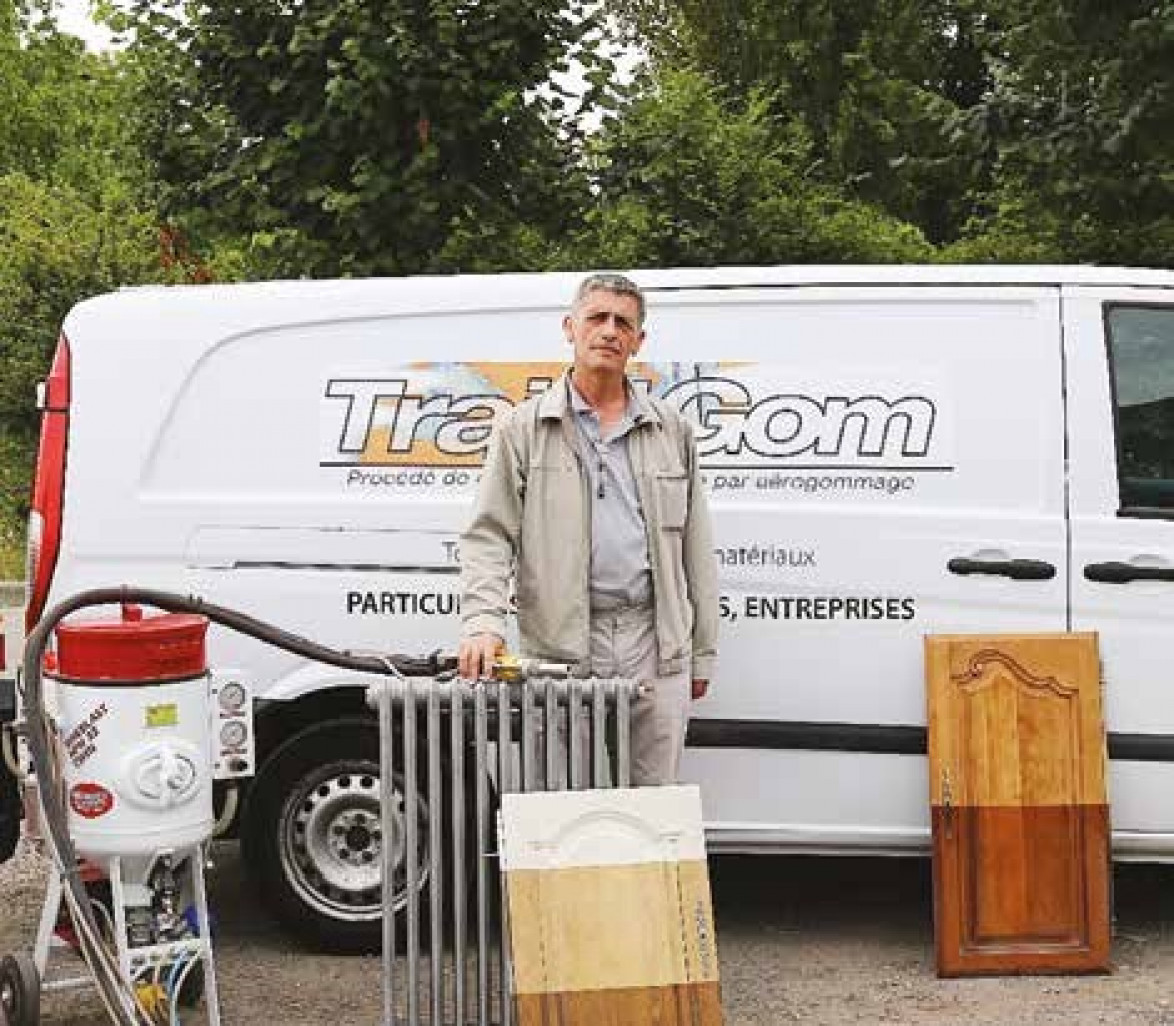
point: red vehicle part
(48, 496)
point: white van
(891, 452)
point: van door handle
(1123, 573)
(1016, 569)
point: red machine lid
(132, 650)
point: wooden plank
(698, 1003)
(610, 918)
(1019, 808)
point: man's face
(604, 330)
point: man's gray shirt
(620, 571)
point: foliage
(873, 84)
(1081, 116)
(56, 248)
(686, 176)
(1013, 231)
(72, 221)
(363, 137)
(63, 107)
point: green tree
(368, 136)
(73, 222)
(874, 85)
(1081, 117)
(686, 176)
(57, 248)
(58, 124)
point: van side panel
(857, 441)
(309, 456)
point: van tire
(310, 836)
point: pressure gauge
(233, 734)
(232, 697)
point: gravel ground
(801, 940)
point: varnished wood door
(1019, 811)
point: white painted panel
(620, 827)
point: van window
(1141, 349)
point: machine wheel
(311, 836)
(20, 991)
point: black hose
(40, 743)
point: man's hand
(700, 687)
(476, 655)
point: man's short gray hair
(620, 284)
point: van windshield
(1141, 348)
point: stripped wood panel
(610, 918)
(1019, 805)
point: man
(592, 500)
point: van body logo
(731, 421)
(442, 415)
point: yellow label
(162, 715)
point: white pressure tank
(134, 705)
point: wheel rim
(332, 844)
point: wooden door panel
(610, 922)
(1020, 819)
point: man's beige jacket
(532, 521)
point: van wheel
(312, 836)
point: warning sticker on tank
(166, 715)
(81, 742)
(90, 800)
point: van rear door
(1120, 367)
